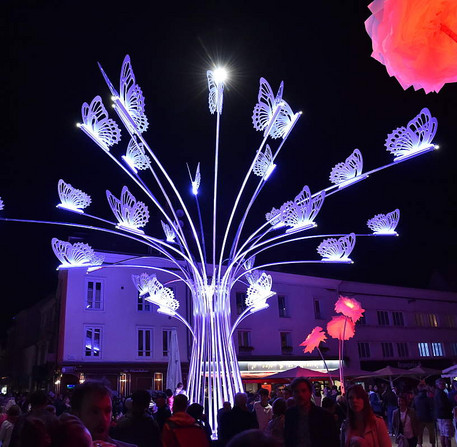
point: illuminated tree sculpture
(214, 375)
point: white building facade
(106, 330)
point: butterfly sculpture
(259, 291)
(130, 214)
(385, 223)
(264, 165)
(75, 255)
(216, 93)
(414, 139)
(196, 180)
(72, 198)
(349, 171)
(169, 233)
(135, 156)
(98, 126)
(337, 250)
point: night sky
(322, 52)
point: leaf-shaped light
(414, 139)
(337, 250)
(130, 213)
(314, 339)
(349, 307)
(349, 171)
(341, 327)
(75, 255)
(154, 291)
(300, 213)
(385, 224)
(98, 126)
(264, 166)
(71, 198)
(135, 156)
(258, 293)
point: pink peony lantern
(416, 40)
(313, 340)
(349, 307)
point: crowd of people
(300, 415)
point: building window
(397, 318)
(423, 320)
(387, 350)
(423, 349)
(94, 295)
(158, 381)
(420, 320)
(93, 341)
(282, 306)
(166, 341)
(244, 341)
(433, 320)
(364, 350)
(383, 318)
(317, 310)
(402, 349)
(240, 302)
(450, 320)
(142, 304)
(286, 342)
(144, 342)
(437, 350)
(454, 348)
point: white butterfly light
(274, 218)
(135, 156)
(264, 166)
(414, 139)
(196, 181)
(153, 291)
(216, 93)
(248, 264)
(97, 125)
(259, 291)
(169, 233)
(130, 214)
(71, 198)
(132, 97)
(385, 224)
(349, 171)
(75, 255)
(1, 204)
(300, 213)
(337, 250)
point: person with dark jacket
(238, 419)
(425, 414)
(307, 425)
(139, 427)
(404, 422)
(443, 413)
(163, 411)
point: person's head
(140, 401)
(279, 407)
(161, 399)
(180, 403)
(329, 404)
(195, 410)
(241, 400)
(168, 392)
(402, 404)
(287, 392)
(13, 413)
(256, 437)
(359, 405)
(226, 406)
(91, 402)
(301, 389)
(38, 400)
(440, 384)
(264, 395)
(317, 389)
(179, 386)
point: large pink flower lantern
(349, 307)
(416, 40)
(341, 327)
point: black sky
(319, 49)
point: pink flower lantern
(313, 340)
(349, 307)
(416, 40)
(341, 327)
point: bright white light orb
(220, 75)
